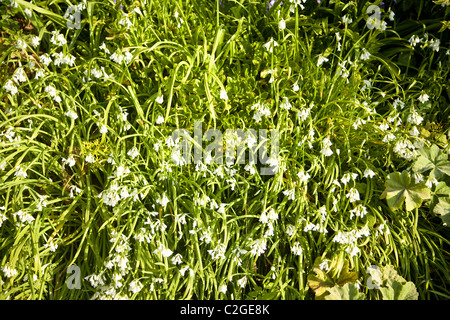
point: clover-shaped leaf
(443, 209)
(432, 158)
(399, 291)
(320, 281)
(347, 292)
(400, 188)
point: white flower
(104, 48)
(19, 75)
(297, 249)
(242, 282)
(321, 60)
(96, 279)
(70, 161)
(398, 102)
(90, 158)
(125, 21)
(218, 253)
(270, 45)
(20, 172)
(21, 44)
(133, 152)
(45, 59)
(423, 97)
(359, 211)
(163, 201)
(103, 129)
(39, 74)
(117, 57)
(57, 38)
(326, 151)
(3, 218)
(28, 12)
(414, 40)
(358, 122)
(223, 95)
(365, 55)
(347, 20)
(10, 87)
(53, 246)
(414, 131)
(391, 15)
(418, 177)
(165, 252)
(369, 173)
(9, 272)
(303, 177)
(434, 44)
(431, 180)
(61, 58)
(128, 57)
(41, 203)
(180, 160)
(414, 118)
(286, 105)
(222, 289)
(282, 24)
(135, 286)
(23, 216)
(290, 194)
(295, 87)
(177, 259)
(52, 92)
(384, 126)
(258, 247)
(324, 265)
(353, 195)
(389, 137)
(347, 176)
(160, 99)
(160, 120)
(72, 189)
(290, 229)
(71, 114)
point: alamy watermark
(73, 16)
(237, 143)
(74, 280)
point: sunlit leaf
(399, 291)
(400, 188)
(432, 158)
(442, 208)
(320, 281)
(346, 292)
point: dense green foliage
(93, 187)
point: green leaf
(443, 209)
(388, 273)
(432, 158)
(440, 191)
(399, 189)
(346, 292)
(399, 291)
(320, 281)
